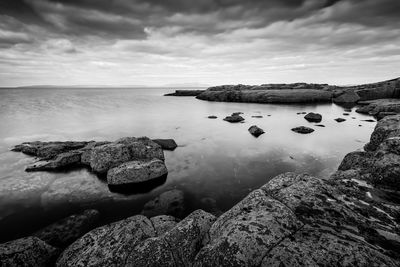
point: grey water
(215, 160)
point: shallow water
(215, 159)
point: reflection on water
(215, 162)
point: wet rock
(212, 117)
(303, 130)
(48, 150)
(257, 116)
(108, 245)
(340, 120)
(64, 232)
(375, 107)
(137, 171)
(61, 161)
(320, 125)
(177, 247)
(27, 251)
(369, 120)
(385, 128)
(347, 109)
(234, 119)
(347, 97)
(163, 223)
(256, 131)
(313, 117)
(166, 144)
(169, 203)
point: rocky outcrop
(380, 108)
(27, 251)
(256, 131)
(136, 171)
(170, 203)
(303, 130)
(185, 93)
(166, 144)
(313, 117)
(347, 97)
(62, 233)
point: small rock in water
(256, 131)
(359, 125)
(313, 117)
(212, 117)
(369, 120)
(340, 120)
(298, 113)
(257, 116)
(168, 203)
(320, 125)
(166, 144)
(233, 119)
(347, 109)
(303, 130)
(346, 114)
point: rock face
(27, 251)
(234, 118)
(313, 117)
(303, 130)
(256, 131)
(137, 171)
(166, 144)
(185, 93)
(64, 232)
(169, 203)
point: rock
(375, 107)
(169, 203)
(27, 251)
(320, 125)
(163, 223)
(347, 109)
(61, 161)
(313, 117)
(64, 232)
(185, 93)
(234, 119)
(177, 247)
(166, 144)
(383, 114)
(256, 131)
(212, 117)
(48, 150)
(257, 116)
(299, 113)
(303, 130)
(340, 120)
(369, 120)
(385, 128)
(347, 97)
(108, 245)
(346, 114)
(137, 171)
(236, 113)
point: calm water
(215, 159)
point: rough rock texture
(27, 251)
(177, 247)
(170, 203)
(61, 161)
(380, 108)
(137, 171)
(64, 232)
(185, 93)
(385, 128)
(234, 118)
(267, 96)
(256, 131)
(109, 245)
(163, 223)
(313, 117)
(303, 130)
(166, 144)
(48, 150)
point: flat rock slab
(170, 203)
(303, 130)
(256, 131)
(166, 144)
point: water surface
(215, 160)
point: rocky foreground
(297, 93)
(351, 219)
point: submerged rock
(27, 251)
(303, 130)
(64, 232)
(313, 117)
(168, 203)
(256, 131)
(234, 119)
(136, 171)
(166, 144)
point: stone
(108, 245)
(236, 113)
(257, 116)
(234, 119)
(212, 117)
(303, 130)
(62, 233)
(163, 223)
(137, 171)
(340, 119)
(48, 150)
(346, 114)
(171, 202)
(385, 128)
(320, 125)
(27, 251)
(256, 131)
(61, 161)
(166, 144)
(313, 117)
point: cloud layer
(157, 42)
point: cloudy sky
(158, 42)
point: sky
(199, 42)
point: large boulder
(109, 245)
(136, 171)
(28, 251)
(313, 117)
(62, 233)
(171, 202)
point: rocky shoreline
(351, 219)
